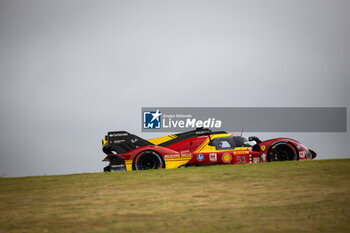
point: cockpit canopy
(227, 143)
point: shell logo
(226, 158)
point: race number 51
(240, 159)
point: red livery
(199, 147)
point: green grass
(309, 196)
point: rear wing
(121, 142)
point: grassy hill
(309, 196)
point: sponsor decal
(134, 140)
(263, 157)
(298, 146)
(117, 141)
(226, 158)
(200, 157)
(240, 152)
(152, 119)
(177, 155)
(256, 160)
(203, 132)
(171, 156)
(213, 157)
(302, 155)
(118, 134)
(262, 148)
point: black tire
(282, 152)
(148, 160)
(107, 169)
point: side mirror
(253, 138)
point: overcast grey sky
(72, 70)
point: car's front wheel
(148, 160)
(282, 152)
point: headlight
(308, 154)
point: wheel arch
(143, 151)
(275, 144)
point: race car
(200, 147)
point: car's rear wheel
(282, 152)
(148, 160)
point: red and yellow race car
(200, 147)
